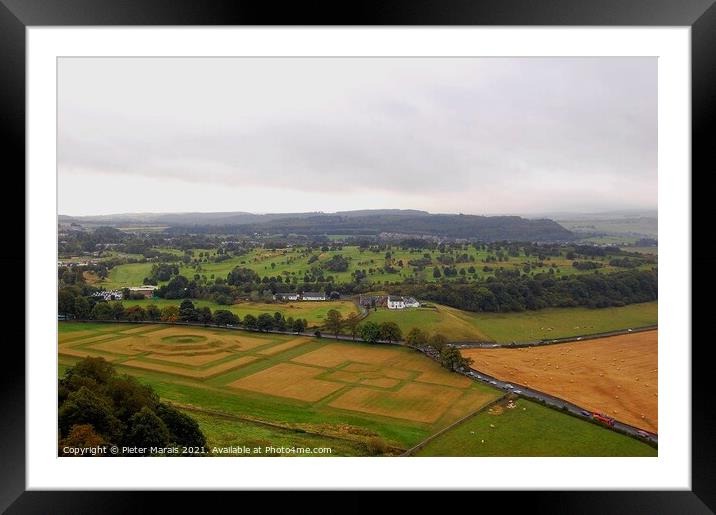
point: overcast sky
(477, 135)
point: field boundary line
(430, 438)
(554, 341)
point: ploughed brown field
(615, 375)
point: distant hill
(361, 222)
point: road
(555, 402)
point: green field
(293, 264)
(452, 323)
(643, 250)
(563, 322)
(345, 393)
(533, 430)
(314, 312)
(124, 276)
(223, 431)
(458, 325)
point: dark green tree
(146, 429)
(265, 322)
(352, 322)
(187, 311)
(153, 312)
(370, 332)
(250, 321)
(417, 338)
(85, 406)
(183, 429)
(225, 317)
(334, 322)
(390, 331)
(298, 326)
(101, 311)
(204, 315)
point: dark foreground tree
(147, 430)
(183, 428)
(100, 407)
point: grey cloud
(454, 128)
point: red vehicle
(599, 417)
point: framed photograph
(270, 251)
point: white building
(411, 302)
(313, 295)
(396, 303)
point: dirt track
(616, 375)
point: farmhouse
(313, 295)
(372, 301)
(396, 303)
(286, 296)
(147, 290)
(411, 302)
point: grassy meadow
(458, 325)
(532, 430)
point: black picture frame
(700, 15)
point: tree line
(507, 291)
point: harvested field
(417, 402)
(382, 382)
(334, 354)
(144, 329)
(617, 375)
(277, 349)
(435, 377)
(289, 380)
(366, 378)
(197, 359)
(75, 336)
(340, 375)
(118, 346)
(355, 390)
(191, 372)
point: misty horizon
(624, 212)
